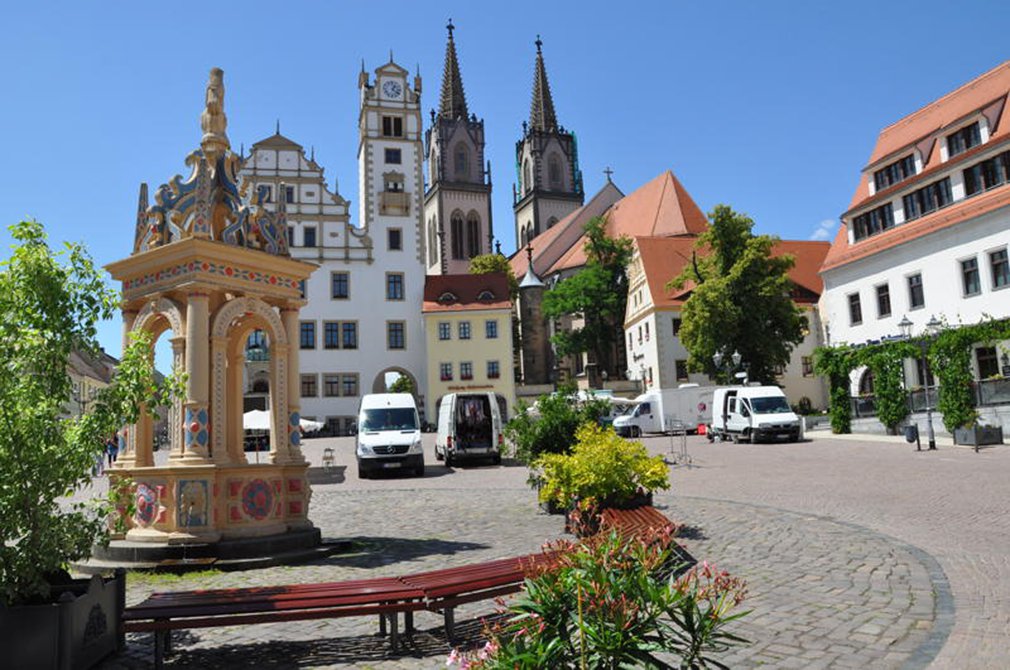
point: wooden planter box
(979, 435)
(591, 525)
(73, 633)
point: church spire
(453, 100)
(542, 106)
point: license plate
(391, 465)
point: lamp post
(719, 357)
(83, 399)
(932, 328)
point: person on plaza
(111, 451)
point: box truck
(688, 405)
(752, 413)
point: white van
(389, 435)
(469, 424)
(753, 413)
(657, 411)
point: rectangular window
(331, 386)
(265, 192)
(340, 285)
(808, 366)
(464, 330)
(631, 340)
(916, 296)
(394, 239)
(1000, 268)
(927, 199)
(682, 370)
(395, 335)
(309, 236)
(349, 385)
(987, 174)
(988, 364)
(309, 386)
(350, 331)
(964, 139)
(393, 156)
(466, 370)
(394, 286)
(491, 329)
(392, 126)
(307, 335)
(899, 170)
(873, 222)
(289, 194)
(855, 310)
(291, 236)
(647, 332)
(493, 371)
(331, 335)
(676, 327)
(970, 280)
(445, 372)
(444, 330)
(883, 301)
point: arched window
(457, 235)
(472, 235)
(551, 221)
(462, 158)
(527, 177)
(866, 383)
(554, 171)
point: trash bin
(911, 433)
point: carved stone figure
(213, 121)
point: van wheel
(439, 456)
(496, 459)
(419, 470)
(636, 432)
(448, 460)
(363, 474)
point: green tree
(488, 263)
(50, 304)
(402, 385)
(550, 428)
(598, 293)
(740, 299)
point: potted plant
(603, 470)
(977, 434)
(50, 304)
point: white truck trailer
(688, 405)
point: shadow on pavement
(375, 551)
(352, 651)
(335, 474)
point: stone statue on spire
(213, 121)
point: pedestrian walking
(111, 451)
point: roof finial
(608, 172)
(450, 27)
(312, 153)
(213, 121)
(278, 131)
(390, 55)
(529, 253)
(497, 248)
(539, 43)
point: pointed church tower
(547, 164)
(457, 204)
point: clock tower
(457, 204)
(547, 165)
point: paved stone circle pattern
(844, 546)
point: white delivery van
(389, 435)
(469, 425)
(753, 413)
(656, 411)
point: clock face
(392, 89)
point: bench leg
(450, 624)
(159, 649)
(394, 635)
(382, 625)
(408, 622)
(168, 641)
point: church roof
(452, 104)
(466, 292)
(542, 116)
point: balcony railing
(985, 393)
(992, 392)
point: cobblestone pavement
(846, 546)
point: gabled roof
(660, 208)
(466, 292)
(663, 258)
(277, 141)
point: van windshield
(773, 405)
(388, 418)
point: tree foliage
(402, 385)
(488, 263)
(598, 293)
(50, 304)
(740, 299)
(836, 363)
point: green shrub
(603, 468)
(550, 427)
(607, 603)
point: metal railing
(985, 393)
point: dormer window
(447, 297)
(899, 170)
(486, 296)
(927, 199)
(875, 221)
(964, 139)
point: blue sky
(770, 107)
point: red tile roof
(466, 290)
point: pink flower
(454, 657)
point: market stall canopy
(259, 419)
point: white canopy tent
(259, 419)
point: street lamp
(932, 328)
(718, 358)
(83, 399)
